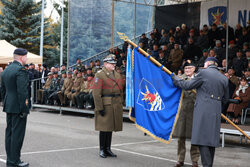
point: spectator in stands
(125, 47)
(223, 32)
(239, 64)
(157, 34)
(192, 35)
(171, 43)
(85, 93)
(211, 53)
(123, 67)
(231, 50)
(220, 52)
(165, 51)
(202, 40)
(203, 58)
(144, 41)
(66, 89)
(205, 29)
(231, 85)
(52, 69)
(177, 34)
(57, 69)
(245, 48)
(238, 31)
(92, 64)
(184, 35)
(175, 58)
(155, 52)
(44, 73)
(121, 58)
(40, 94)
(97, 66)
(78, 81)
(34, 72)
(63, 69)
(79, 65)
(162, 31)
(241, 93)
(162, 58)
(164, 39)
(213, 35)
(152, 41)
(191, 51)
(54, 87)
(232, 77)
(245, 37)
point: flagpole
(153, 60)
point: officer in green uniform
(108, 98)
(14, 91)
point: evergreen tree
(21, 26)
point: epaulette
(23, 68)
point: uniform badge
(96, 80)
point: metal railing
(103, 54)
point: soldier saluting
(15, 103)
(108, 93)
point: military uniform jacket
(183, 128)
(47, 84)
(87, 86)
(106, 84)
(55, 84)
(67, 85)
(77, 84)
(14, 88)
(211, 87)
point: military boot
(108, 145)
(102, 138)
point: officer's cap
(20, 52)
(90, 75)
(211, 59)
(110, 59)
(62, 65)
(78, 72)
(31, 64)
(188, 63)
(26, 65)
(50, 73)
(89, 68)
(55, 73)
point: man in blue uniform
(15, 103)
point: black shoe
(102, 154)
(23, 164)
(110, 153)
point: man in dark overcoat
(211, 87)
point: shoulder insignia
(96, 80)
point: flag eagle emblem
(148, 97)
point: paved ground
(70, 141)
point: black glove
(102, 112)
(23, 115)
(73, 91)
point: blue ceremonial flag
(156, 100)
(129, 80)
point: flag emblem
(148, 97)
(217, 15)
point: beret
(211, 59)
(20, 52)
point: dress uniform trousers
(207, 155)
(72, 96)
(194, 151)
(15, 132)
